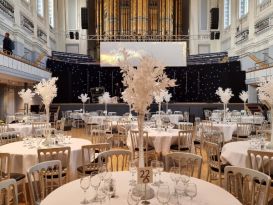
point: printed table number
(145, 175)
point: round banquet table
(235, 153)
(23, 129)
(160, 139)
(207, 193)
(227, 129)
(23, 158)
(174, 118)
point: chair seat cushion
(222, 168)
(150, 148)
(196, 142)
(17, 176)
(80, 169)
(175, 147)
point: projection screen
(171, 54)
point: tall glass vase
(167, 107)
(47, 113)
(26, 109)
(140, 120)
(225, 113)
(83, 107)
(105, 109)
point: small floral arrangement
(224, 95)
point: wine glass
(102, 172)
(154, 165)
(163, 194)
(160, 169)
(95, 183)
(132, 198)
(101, 195)
(109, 189)
(185, 176)
(175, 174)
(191, 190)
(133, 170)
(85, 184)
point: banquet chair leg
(208, 174)
(25, 193)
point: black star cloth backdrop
(195, 83)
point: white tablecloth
(161, 140)
(23, 129)
(23, 158)
(252, 119)
(99, 119)
(226, 129)
(173, 118)
(207, 193)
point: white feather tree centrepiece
(225, 96)
(83, 98)
(105, 99)
(26, 96)
(167, 98)
(244, 97)
(141, 84)
(265, 93)
(47, 90)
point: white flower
(159, 98)
(265, 90)
(105, 98)
(243, 96)
(47, 89)
(83, 97)
(26, 95)
(143, 82)
(224, 95)
(167, 96)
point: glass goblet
(95, 183)
(85, 184)
(132, 198)
(191, 190)
(163, 194)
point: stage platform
(195, 109)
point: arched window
(40, 8)
(227, 13)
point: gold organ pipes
(138, 17)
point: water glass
(163, 194)
(132, 198)
(191, 190)
(101, 195)
(133, 170)
(85, 184)
(102, 172)
(95, 183)
(175, 174)
(110, 189)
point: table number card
(145, 175)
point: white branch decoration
(167, 96)
(26, 96)
(47, 90)
(105, 98)
(141, 84)
(224, 95)
(84, 97)
(265, 90)
(243, 96)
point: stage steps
(256, 107)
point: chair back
(214, 136)
(213, 154)
(5, 166)
(8, 190)
(185, 140)
(107, 126)
(115, 160)
(59, 153)
(9, 137)
(3, 128)
(43, 178)
(89, 156)
(98, 136)
(243, 129)
(261, 160)
(206, 125)
(249, 186)
(185, 126)
(191, 163)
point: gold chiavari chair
(243, 131)
(90, 162)
(184, 126)
(9, 193)
(249, 186)
(186, 162)
(185, 139)
(59, 153)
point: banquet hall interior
(136, 102)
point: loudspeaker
(217, 35)
(214, 18)
(212, 35)
(77, 35)
(71, 35)
(84, 15)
